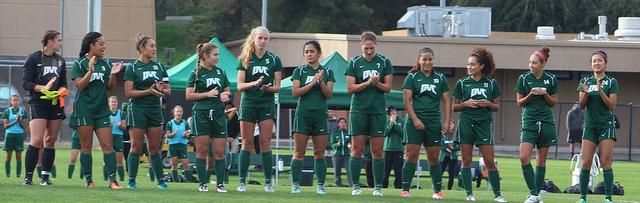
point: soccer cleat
(27, 181)
(220, 189)
(321, 191)
(471, 198)
(268, 188)
(242, 187)
(500, 199)
(203, 187)
(405, 194)
(90, 184)
(114, 185)
(438, 195)
(377, 193)
(45, 181)
(582, 201)
(132, 185)
(607, 200)
(295, 189)
(356, 191)
(163, 186)
(532, 199)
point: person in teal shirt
(14, 121)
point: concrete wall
(23, 22)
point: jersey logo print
(149, 74)
(428, 87)
(213, 81)
(260, 70)
(605, 82)
(50, 69)
(155, 67)
(97, 76)
(479, 91)
(368, 73)
(546, 82)
(309, 79)
(436, 81)
(267, 61)
(378, 65)
(593, 88)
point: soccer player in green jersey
(423, 90)
(94, 76)
(145, 83)
(259, 75)
(313, 85)
(598, 95)
(369, 77)
(536, 93)
(209, 89)
(476, 98)
(14, 120)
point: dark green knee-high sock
(540, 172)
(494, 179)
(121, 172)
(355, 165)
(530, 179)
(18, 168)
(70, 170)
(53, 171)
(7, 168)
(39, 170)
(243, 165)
(174, 175)
(81, 172)
(156, 165)
(201, 167)
(152, 175)
(220, 172)
(436, 177)
(408, 169)
(296, 171)
(105, 174)
(584, 183)
(267, 166)
(110, 165)
(86, 161)
(378, 172)
(320, 168)
(466, 180)
(133, 161)
(189, 175)
(608, 183)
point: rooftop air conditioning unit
(436, 21)
(628, 29)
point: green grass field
(513, 187)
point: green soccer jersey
(371, 99)
(91, 102)
(537, 109)
(206, 81)
(426, 94)
(143, 76)
(597, 114)
(468, 88)
(266, 67)
(313, 102)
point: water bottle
(280, 165)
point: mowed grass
(513, 187)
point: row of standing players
(369, 77)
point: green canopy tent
(179, 74)
(341, 98)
